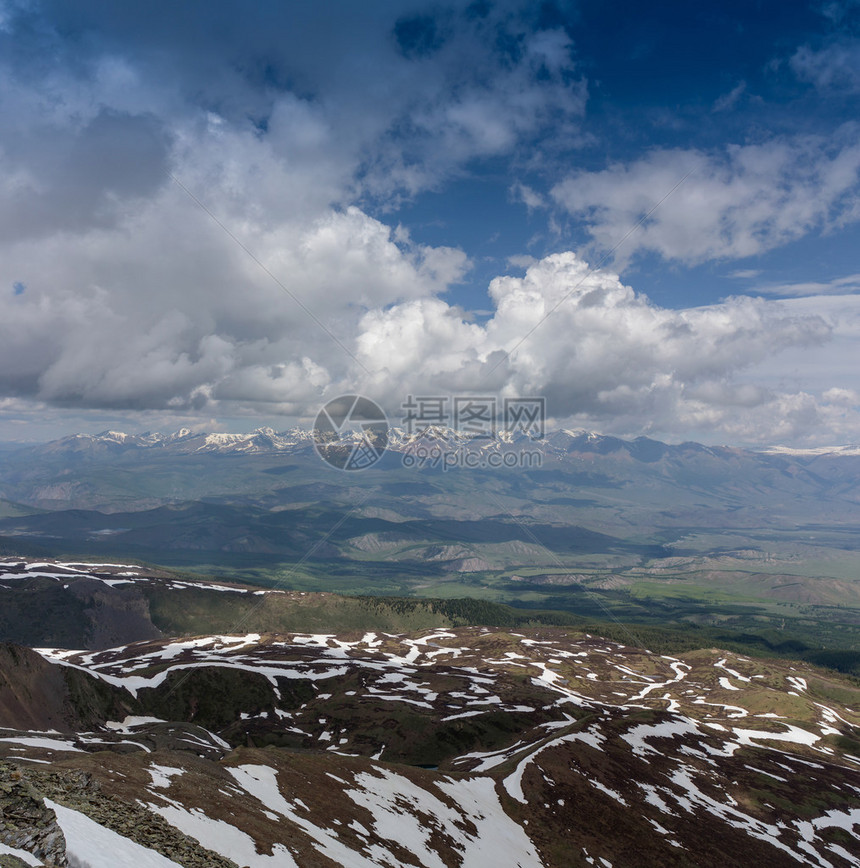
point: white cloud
(836, 10)
(842, 397)
(605, 356)
(836, 67)
(92, 105)
(729, 100)
(838, 285)
(521, 260)
(134, 297)
(218, 338)
(484, 105)
(167, 310)
(529, 197)
(749, 199)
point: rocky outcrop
(27, 823)
(38, 696)
(33, 693)
(116, 614)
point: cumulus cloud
(179, 190)
(398, 99)
(746, 200)
(600, 353)
(492, 86)
(170, 311)
(233, 344)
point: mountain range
(605, 655)
(752, 546)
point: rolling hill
(316, 730)
(537, 747)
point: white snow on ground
(721, 664)
(607, 791)
(497, 840)
(637, 735)
(769, 774)
(130, 723)
(513, 783)
(130, 574)
(395, 803)
(464, 714)
(179, 586)
(652, 797)
(792, 733)
(192, 738)
(491, 759)
(221, 837)
(728, 813)
(23, 855)
(44, 565)
(133, 683)
(500, 841)
(262, 783)
(830, 716)
(401, 677)
(547, 676)
(730, 710)
(30, 759)
(90, 845)
(59, 577)
(161, 775)
(834, 818)
(680, 670)
(89, 739)
(409, 816)
(70, 567)
(43, 742)
(628, 671)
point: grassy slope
(193, 612)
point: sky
(220, 215)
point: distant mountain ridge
(631, 518)
(555, 442)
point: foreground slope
(467, 746)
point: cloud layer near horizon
(196, 325)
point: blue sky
(220, 215)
